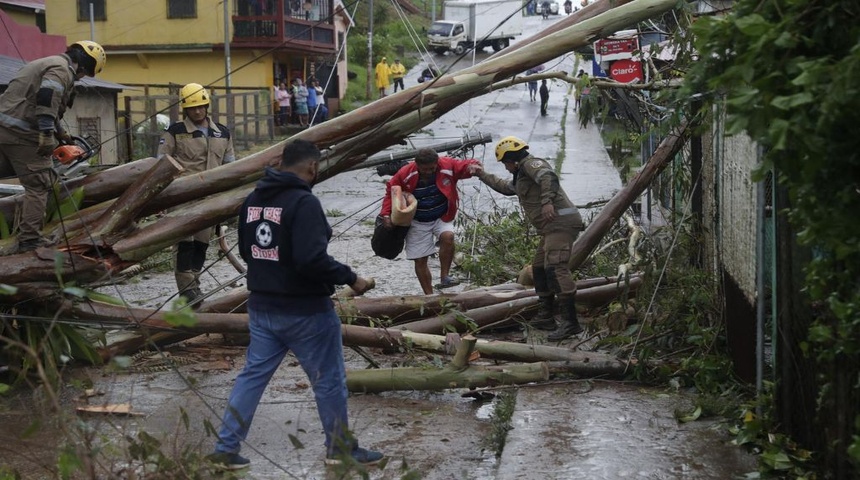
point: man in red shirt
(433, 181)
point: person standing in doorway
(31, 109)
(383, 73)
(300, 95)
(398, 71)
(558, 223)
(433, 181)
(544, 97)
(283, 237)
(283, 97)
(198, 143)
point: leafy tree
(787, 72)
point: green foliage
(787, 73)
(504, 243)
(180, 315)
(779, 456)
(391, 36)
(501, 422)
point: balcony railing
(270, 23)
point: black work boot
(545, 318)
(568, 324)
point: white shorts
(422, 236)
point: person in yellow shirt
(397, 73)
(383, 71)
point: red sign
(626, 71)
(616, 48)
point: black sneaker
(448, 282)
(229, 461)
(359, 455)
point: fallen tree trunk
(482, 317)
(591, 362)
(418, 378)
(612, 211)
(122, 213)
(359, 309)
(457, 374)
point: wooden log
(122, 213)
(417, 378)
(98, 187)
(584, 363)
(481, 317)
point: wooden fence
(248, 113)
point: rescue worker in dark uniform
(558, 223)
(197, 143)
(30, 111)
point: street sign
(608, 49)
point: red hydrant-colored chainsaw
(72, 157)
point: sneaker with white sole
(359, 455)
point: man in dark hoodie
(283, 237)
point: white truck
(476, 23)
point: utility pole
(92, 23)
(227, 66)
(371, 79)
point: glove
(46, 143)
(63, 137)
(362, 285)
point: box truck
(477, 24)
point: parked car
(553, 7)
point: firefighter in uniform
(199, 144)
(558, 223)
(30, 112)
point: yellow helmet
(193, 95)
(509, 144)
(95, 51)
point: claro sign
(626, 71)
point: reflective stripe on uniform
(53, 85)
(11, 121)
(566, 211)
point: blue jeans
(316, 342)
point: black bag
(388, 243)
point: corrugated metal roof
(9, 67)
(34, 4)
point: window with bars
(181, 8)
(99, 13)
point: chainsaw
(71, 158)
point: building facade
(183, 41)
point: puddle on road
(615, 431)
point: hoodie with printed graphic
(283, 237)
